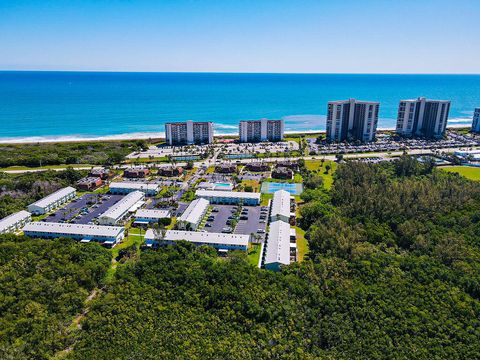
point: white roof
(120, 208)
(281, 203)
(152, 213)
(203, 237)
(227, 194)
(14, 218)
(135, 185)
(74, 229)
(194, 211)
(57, 195)
(278, 244)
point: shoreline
(152, 136)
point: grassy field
(254, 254)
(253, 183)
(317, 165)
(470, 172)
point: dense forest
(19, 190)
(43, 285)
(393, 272)
(42, 154)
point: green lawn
(317, 165)
(470, 172)
(302, 243)
(253, 183)
(264, 199)
(254, 254)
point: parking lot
(91, 204)
(254, 223)
(97, 209)
(221, 217)
(245, 226)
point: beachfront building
(122, 209)
(193, 215)
(151, 216)
(126, 187)
(106, 235)
(219, 241)
(352, 120)
(476, 121)
(14, 222)
(52, 201)
(280, 206)
(189, 132)
(261, 130)
(423, 118)
(229, 197)
(278, 250)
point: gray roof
(124, 205)
(203, 237)
(227, 194)
(57, 195)
(74, 229)
(194, 212)
(134, 185)
(281, 203)
(13, 219)
(277, 249)
(152, 213)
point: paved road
(209, 162)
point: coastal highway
(210, 162)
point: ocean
(36, 106)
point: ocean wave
(460, 120)
(225, 126)
(73, 138)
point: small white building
(106, 235)
(219, 241)
(126, 187)
(14, 222)
(52, 201)
(148, 216)
(280, 206)
(278, 247)
(229, 197)
(121, 209)
(193, 215)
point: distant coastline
(152, 135)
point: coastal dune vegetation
(68, 153)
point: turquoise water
(82, 104)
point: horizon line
(229, 72)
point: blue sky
(303, 36)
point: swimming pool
(223, 186)
(271, 187)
